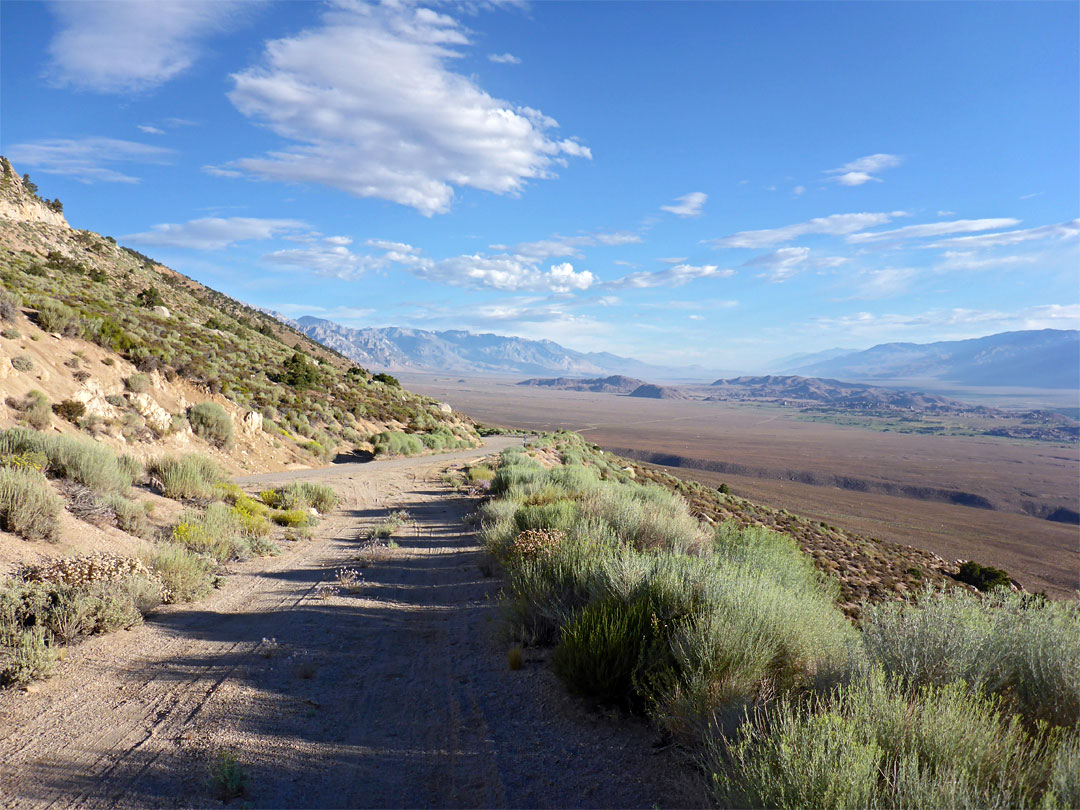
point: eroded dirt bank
(396, 696)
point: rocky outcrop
(251, 423)
(157, 418)
(18, 204)
(92, 395)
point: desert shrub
(150, 298)
(1023, 649)
(70, 410)
(396, 443)
(25, 655)
(28, 506)
(137, 383)
(211, 422)
(390, 526)
(186, 575)
(873, 744)
(52, 316)
(292, 518)
(479, 473)
(386, 379)
(72, 458)
(304, 494)
(10, 333)
(33, 409)
(272, 498)
(8, 308)
(130, 515)
(982, 577)
(22, 362)
(218, 531)
(185, 477)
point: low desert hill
(616, 384)
(1045, 358)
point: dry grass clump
(533, 543)
(28, 506)
(190, 476)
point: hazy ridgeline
(732, 642)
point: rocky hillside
(98, 338)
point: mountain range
(1045, 358)
(460, 352)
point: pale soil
(396, 696)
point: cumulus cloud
(1059, 232)
(833, 225)
(675, 276)
(121, 46)
(369, 105)
(864, 169)
(688, 205)
(87, 160)
(934, 229)
(504, 59)
(213, 233)
(503, 272)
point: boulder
(162, 311)
(92, 395)
(159, 419)
(251, 423)
(445, 407)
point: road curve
(492, 444)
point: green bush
(187, 575)
(52, 316)
(1025, 650)
(186, 477)
(33, 409)
(22, 362)
(137, 383)
(983, 577)
(211, 422)
(872, 744)
(292, 518)
(77, 459)
(25, 656)
(396, 443)
(28, 506)
(304, 494)
(218, 531)
(70, 410)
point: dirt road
(398, 695)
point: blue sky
(705, 183)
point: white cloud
(783, 263)
(834, 225)
(970, 260)
(1062, 231)
(673, 260)
(934, 229)
(883, 283)
(558, 246)
(326, 259)
(864, 169)
(696, 317)
(87, 159)
(502, 272)
(213, 233)
(120, 46)
(370, 107)
(675, 276)
(944, 324)
(504, 59)
(946, 213)
(798, 191)
(688, 205)
(149, 130)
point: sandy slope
(396, 696)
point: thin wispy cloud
(833, 225)
(149, 130)
(688, 205)
(123, 46)
(367, 104)
(88, 160)
(504, 59)
(675, 276)
(864, 169)
(214, 233)
(934, 229)
(1062, 231)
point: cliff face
(18, 204)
